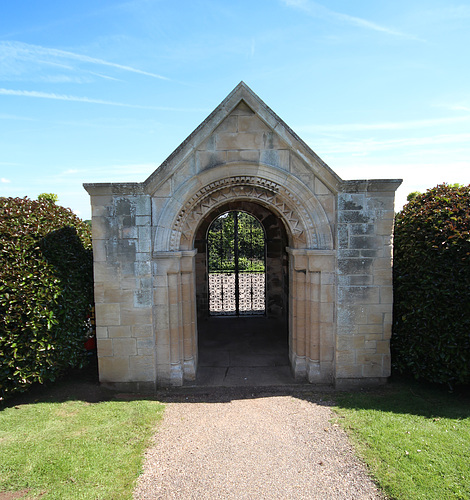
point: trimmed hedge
(431, 332)
(46, 291)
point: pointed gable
(243, 129)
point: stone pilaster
(175, 317)
(312, 320)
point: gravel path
(252, 447)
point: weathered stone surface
(329, 264)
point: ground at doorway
(242, 445)
(243, 352)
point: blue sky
(104, 91)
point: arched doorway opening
(243, 340)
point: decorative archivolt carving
(268, 193)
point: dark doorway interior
(245, 350)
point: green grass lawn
(414, 438)
(75, 449)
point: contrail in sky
(64, 97)
(29, 51)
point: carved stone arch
(298, 208)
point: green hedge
(431, 333)
(46, 291)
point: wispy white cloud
(368, 146)
(15, 117)
(404, 125)
(65, 97)
(315, 9)
(37, 53)
(5, 181)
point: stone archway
(311, 295)
(338, 237)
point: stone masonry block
(114, 369)
(355, 266)
(142, 331)
(355, 280)
(351, 201)
(368, 358)
(348, 314)
(364, 242)
(251, 124)
(276, 158)
(348, 254)
(343, 235)
(383, 347)
(143, 298)
(104, 347)
(358, 295)
(143, 205)
(99, 251)
(244, 155)
(383, 277)
(370, 344)
(328, 294)
(124, 347)
(386, 295)
(241, 141)
(375, 370)
(101, 332)
(230, 125)
(384, 227)
(119, 331)
(320, 188)
(99, 289)
(108, 314)
(146, 343)
(101, 229)
(130, 232)
(143, 220)
(345, 357)
(114, 295)
(354, 216)
(375, 329)
(142, 368)
(131, 316)
(344, 343)
(362, 229)
(348, 371)
(327, 313)
(142, 268)
(210, 159)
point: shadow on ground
(245, 358)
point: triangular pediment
(243, 129)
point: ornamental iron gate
(237, 265)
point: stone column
(175, 317)
(312, 314)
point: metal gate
(237, 265)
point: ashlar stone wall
(338, 245)
(364, 281)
